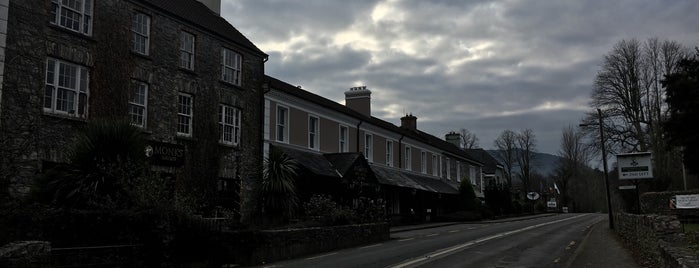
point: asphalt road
(540, 242)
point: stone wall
(659, 202)
(659, 238)
(258, 247)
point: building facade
(175, 69)
(406, 161)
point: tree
(468, 139)
(526, 144)
(628, 90)
(506, 144)
(574, 156)
(278, 190)
(682, 90)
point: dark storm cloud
(482, 65)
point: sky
(485, 66)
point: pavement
(601, 247)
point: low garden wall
(264, 246)
(660, 238)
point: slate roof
(406, 179)
(315, 163)
(329, 104)
(198, 14)
(489, 162)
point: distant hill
(544, 164)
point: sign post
(635, 167)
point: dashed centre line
(321, 256)
(430, 235)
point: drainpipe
(360, 123)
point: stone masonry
(30, 137)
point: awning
(396, 177)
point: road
(539, 242)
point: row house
(178, 70)
(415, 172)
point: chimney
(214, 5)
(359, 99)
(453, 138)
(409, 122)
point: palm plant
(278, 192)
(104, 159)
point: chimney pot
(359, 99)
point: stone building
(179, 71)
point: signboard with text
(690, 201)
(165, 154)
(635, 166)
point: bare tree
(574, 156)
(628, 90)
(506, 145)
(468, 139)
(526, 144)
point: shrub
(277, 191)
(371, 210)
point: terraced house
(344, 151)
(179, 71)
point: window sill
(74, 33)
(65, 117)
(142, 56)
(228, 145)
(229, 84)
(185, 137)
(188, 71)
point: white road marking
(371, 246)
(455, 231)
(430, 235)
(451, 250)
(318, 257)
(407, 239)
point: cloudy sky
(485, 66)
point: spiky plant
(277, 191)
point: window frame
(85, 12)
(458, 171)
(435, 165)
(448, 164)
(80, 89)
(133, 103)
(314, 134)
(389, 153)
(284, 126)
(236, 117)
(136, 33)
(369, 147)
(236, 69)
(343, 144)
(408, 158)
(423, 162)
(189, 116)
(187, 54)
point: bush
(516, 207)
(370, 210)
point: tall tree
(682, 89)
(506, 145)
(468, 139)
(574, 155)
(526, 145)
(627, 88)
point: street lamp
(604, 162)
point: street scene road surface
(537, 242)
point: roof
(413, 134)
(490, 164)
(313, 162)
(198, 14)
(400, 178)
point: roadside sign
(635, 166)
(551, 204)
(690, 201)
(627, 187)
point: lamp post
(604, 162)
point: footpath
(601, 246)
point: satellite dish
(532, 195)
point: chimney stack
(214, 5)
(408, 122)
(453, 138)
(359, 99)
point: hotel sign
(635, 166)
(165, 154)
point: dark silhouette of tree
(682, 90)
(468, 139)
(526, 145)
(506, 145)
(627, 88)
(278, 190)
(574, 157)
